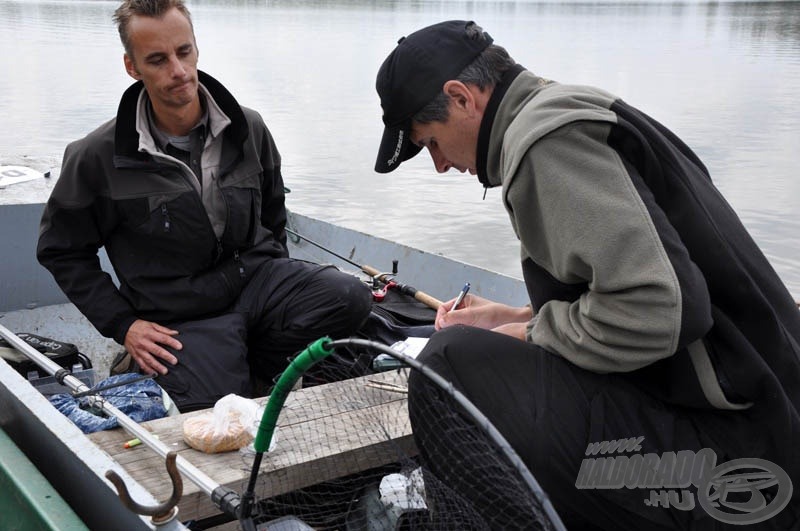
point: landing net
(347, 455)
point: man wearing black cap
(654, 318)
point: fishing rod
(386, 278)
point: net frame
(349, 502)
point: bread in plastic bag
(231, 425)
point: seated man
(654, 320)
(184, 190)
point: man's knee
(352, 303)
(435, 357)
(357, 295)
(330, 303)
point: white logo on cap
(396, 149)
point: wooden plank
(323, 433)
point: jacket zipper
(165, 215)
(238, 262)
(188, 178)
(219, 249)
(236, 259)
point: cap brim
(396, 147)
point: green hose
(316, 351)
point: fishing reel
(383, 282)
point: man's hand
(482, 313)
(143, 342)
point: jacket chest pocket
(165, 220)
(243, 204)
(133, 213)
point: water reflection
(723, 75)
(766, 22)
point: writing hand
(481, 313)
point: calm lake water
(723, 75)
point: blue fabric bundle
(141, 401)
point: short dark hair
(144, 8)
(485, 71)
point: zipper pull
(165, 214)
(238, 261)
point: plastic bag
(231, 425)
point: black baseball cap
(413, 75)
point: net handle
(316, 351)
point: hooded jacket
(116, 190)
(634, 261)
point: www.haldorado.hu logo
(732, 492)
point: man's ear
(130, 67)
(460, 94)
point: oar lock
(162, 513)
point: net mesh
(344, 455)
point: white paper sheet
(411, 346)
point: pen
(460, 297)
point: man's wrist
(526, 313)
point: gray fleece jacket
(633, 260)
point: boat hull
(31, 302)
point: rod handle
(427, 300)
(374, 273)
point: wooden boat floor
(323, 433)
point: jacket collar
(513, 93)
(126, 137)
(485, 131)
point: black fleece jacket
(141, 206)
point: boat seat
(323, 433)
